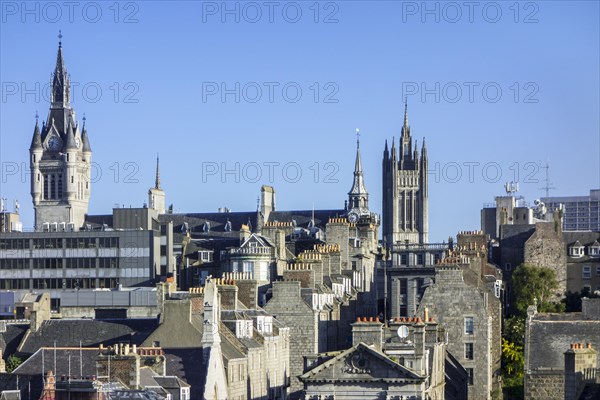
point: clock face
(54, 143)
(352, 217)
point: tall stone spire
(61, 84)
(358, 196)
(156, 196)
(405, 114)
(157, 179)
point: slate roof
(170, 382)
(585, 239)
(550, 335)
(10, 340)
(135, 395)
(187, 364)
(303, 217)
(34, 366)
(217, 221)
(68, 333)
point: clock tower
(357, 207)
(60, 160)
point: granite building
(405, 190)
(549, 370)
(60, 160)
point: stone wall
(546, 248)
(289, 308)
(547, 384)
(450, 300)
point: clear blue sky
(171, 57)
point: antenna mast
(548, 186)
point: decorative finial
(357, 138)
(60, 36)
(37, 117)
(84, 120)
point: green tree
(12, 363)
(535, 285)
(513, 361)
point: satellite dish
(403, 332)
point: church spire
(157, 179)
(357, 163)
(358, 196)
(61, 85)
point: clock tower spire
(60, 160)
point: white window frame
(586, 272)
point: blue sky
(499, 90)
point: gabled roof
(361, 363)
(261, 240)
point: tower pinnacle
(405, 113)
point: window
(507, 266)
(404, 259)
(598, 271)
(576, 250)
(420, 259)
(469, 375)
(586, 272)
(469, 351)
(469, 328)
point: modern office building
(581, 213)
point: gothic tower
(60, 160)
(405, 190)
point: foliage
(514, 330)
(535, 285)
(512, 358)
(572, 301)
(513, 361)
(12, 363)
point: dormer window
(576, 250)
(243, 328)
(594, 249)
